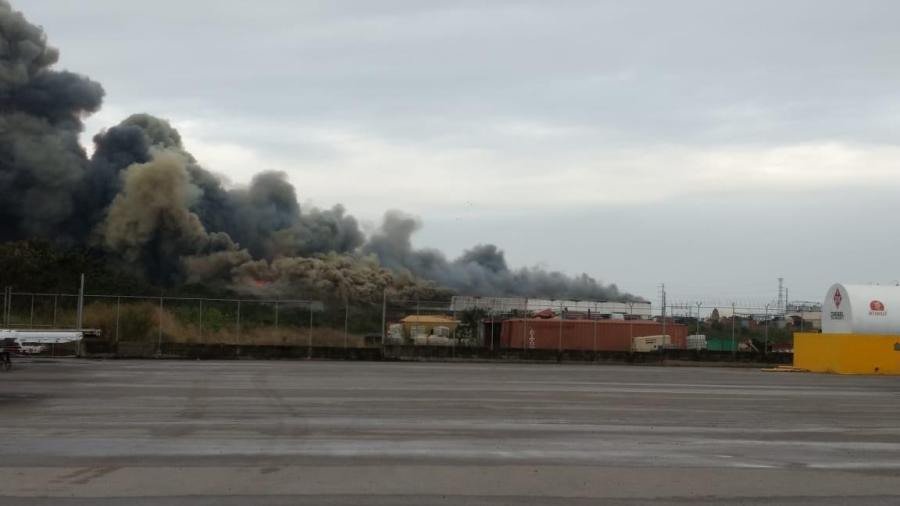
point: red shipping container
(585, 335)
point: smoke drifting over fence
(145, 201)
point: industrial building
(573, 309)
(860, 332)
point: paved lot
(341, 433)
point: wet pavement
(190, 432)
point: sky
(713, 146)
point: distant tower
(781, 302)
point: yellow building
(425, 325)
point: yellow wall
(847, 353)
(428, 323)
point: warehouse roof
(428, 319)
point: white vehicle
(13, 341)
(33, 349)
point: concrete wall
(97, 348)
(847, 353)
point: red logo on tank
(837, 298)
(876, 305)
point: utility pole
(766, 345)
(663, 299)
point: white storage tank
(861, 309)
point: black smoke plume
(43, 166)
(481, 270)
(154, 210)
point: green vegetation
(718, 333)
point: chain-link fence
(747, 327)
(147, 325)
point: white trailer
(34, 340)
(33, 336)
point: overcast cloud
(711, 145)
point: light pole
(699, 305)
(733, 342)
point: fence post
(276, 316)
(699, 308)
(55, 301)
(118, 306)
(560, 327)
(594, 322)
(733, 342)
(31, 319)
(201, 321)
(309, 339)
(159, 339)
(239, 321)
(524, 332)
(9, 308)
(492, 329)
(80, 315)
(346, 324)
(383, 317)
